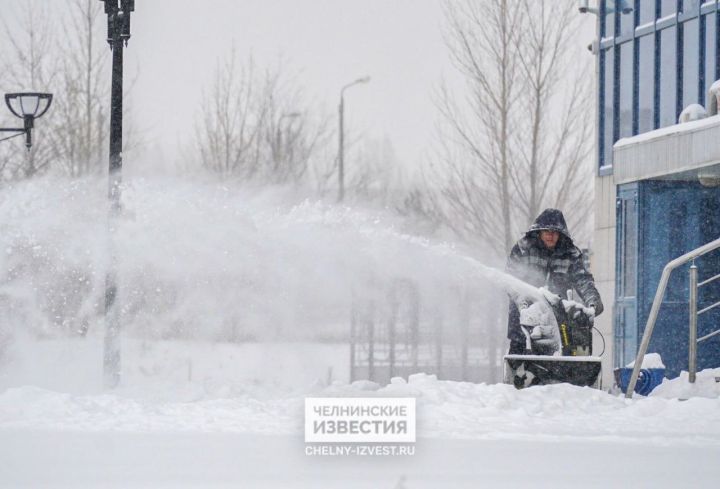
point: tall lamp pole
(118, 14)
(341, 135)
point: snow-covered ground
(225, 295)
(224, 415)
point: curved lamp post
(341, 145)
(28, 106)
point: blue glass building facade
(656, 57)
(653, 61)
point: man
(547, 257)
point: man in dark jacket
(547, 257)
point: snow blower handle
(578, 313)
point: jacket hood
(550, 220)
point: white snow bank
(707, 384)
(175, 370)
(693, 112)
(445, 410)
(651, 360)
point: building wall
(602, 264)
(652, 62)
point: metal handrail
(655, 309)
(711, 279)
(706, 309)
(708, 336)
(714, 333)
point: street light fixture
(28, 106)
(341, 145)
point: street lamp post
(118, 35)
(28, 106)
(341, 135)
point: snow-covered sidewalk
(223, 415)
(469, 436)
(456, 410)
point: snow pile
(191, 386)
(707, 384)
(693, 112)
(193, 414)
(175, 370)
(448, 410)
(651, 360)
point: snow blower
(558, 349)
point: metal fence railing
(694, 313)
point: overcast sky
(176, 44)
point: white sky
(176, 44)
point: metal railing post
(657, 302)
(692, 339)
(649, 327)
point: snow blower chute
(558, 346)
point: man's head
(549, 238)
(550, 229)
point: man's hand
(590, 312)
(579, 314)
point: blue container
(648, 379)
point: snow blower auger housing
(569, 361)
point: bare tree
(231, 128)
(27, 64)
(74, 135)
(481, 37)
(374, 175)
(293, 134)
(81, 113)
(255, 125)
(553, 139)
(517, 140)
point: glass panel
(647, 83)
(667, 7)
(608, 107)
(647, 12)
(629, 258)
(691, 60)
(609, 19)
(29, 104)
(626, 89)
(690, 6)
(710, 51)
(677, 218)
(627, 20)
(709, 229)
(668, 77)
(630, 335)
(15, 106)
